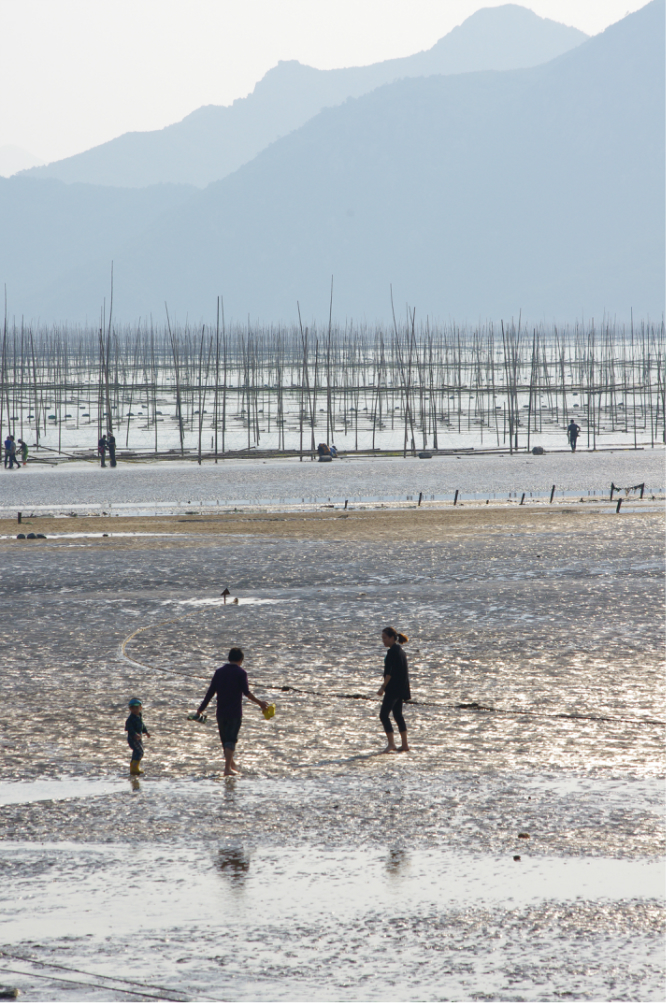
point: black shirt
(395, 666)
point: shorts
(136, 745)
(229, 728)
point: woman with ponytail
(395, 688)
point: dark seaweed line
(478, 707)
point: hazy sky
(74, 73)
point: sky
(76, 73)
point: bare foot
(389, 748)
(403, 748)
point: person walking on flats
(230, 684)
(395, 688)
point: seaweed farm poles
(241, 388)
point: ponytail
(396, 635)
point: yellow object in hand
(269, 712)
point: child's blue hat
(135, 702)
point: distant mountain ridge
(476, 195)
(214, 141)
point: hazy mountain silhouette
(49, 228)
(476, 195)
(15, 158)
(214, 141)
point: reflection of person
(101, 449)
(111, 446)
(230, 683)
(395, 688)
(573, 431)
(135, 729)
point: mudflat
(536, 663)
(389, 524)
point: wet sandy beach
(328, 871)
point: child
(135, 729)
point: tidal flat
(327, 871)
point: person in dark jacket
(395, 688)
(573, 431)
(111, 446)
(101, 449)
(230, 684)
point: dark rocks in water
(326, 459)
(9, 993)
(41, 536)
(516, 857)
(20, 536)
(425, 456)
(31, 536)
(537, 450)
(523, 835)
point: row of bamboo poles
(420, 382)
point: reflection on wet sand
(233, 864)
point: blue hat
(135, 702)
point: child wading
(230, 684)
(395, 688)
(135, 729)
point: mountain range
(475, 194)
(214, 141)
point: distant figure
(333, 451)
(24, 451)
(101, 449)
(12, 454)
(230, 683)
(395, 688)
(573, 431)
(8, 449)
(136, 729)
(111, 446)
(323, 449)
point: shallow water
(173, 486)
(283, 924)
(328, 871)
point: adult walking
(101, 449)
(573, 431)
(111, 446)
(13, 461)
(230, 684)
(394, 689)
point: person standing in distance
(230, 684)
(573, 431)
(395, 688)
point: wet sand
(395, 525)
(536, 657)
